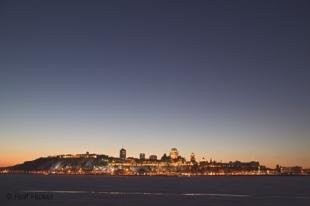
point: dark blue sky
(225, 79)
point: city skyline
(171, 164)
(124, 154)
(223, 79)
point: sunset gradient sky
(227, 80)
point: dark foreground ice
(159, 191)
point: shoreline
(214, 175)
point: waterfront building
(122, 153)
(153, 157)
(174, 154)
(193, 158)
(142, 156)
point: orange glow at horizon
(19, 158)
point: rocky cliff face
(56, 163)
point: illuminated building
(122, 153)
(192, 158)
(142, 156)
(153, 157)
(174, 154)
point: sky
(227, 80)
